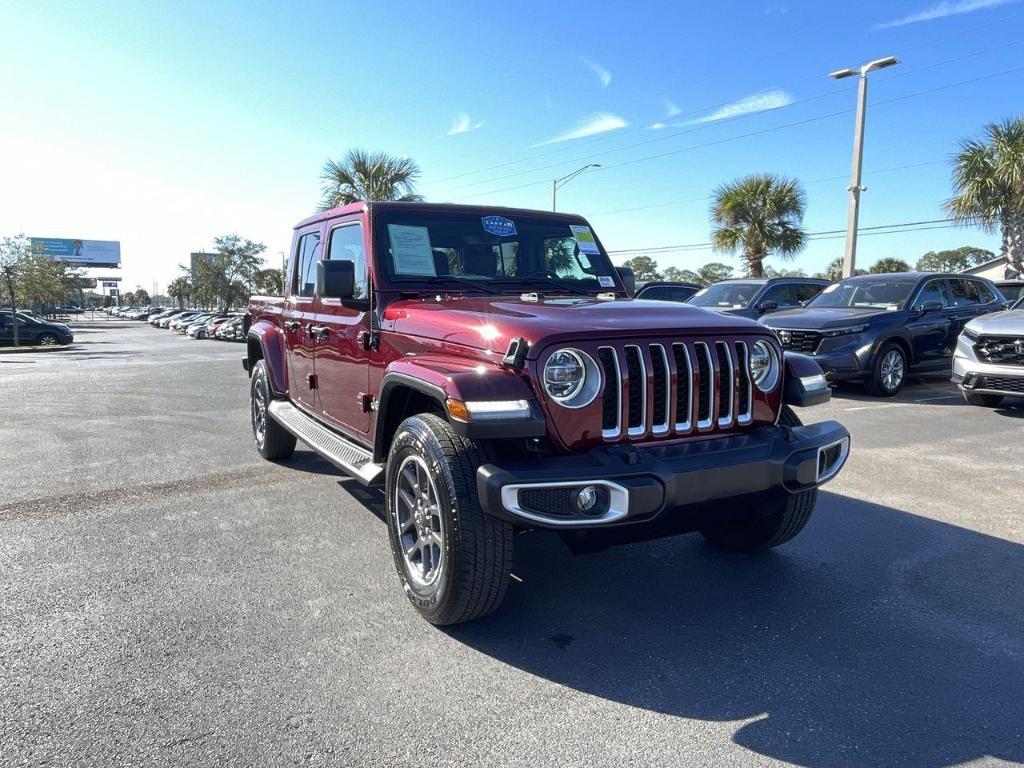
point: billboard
(84, 253)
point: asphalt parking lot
(168, 598)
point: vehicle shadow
(877, 637)
(930, 390)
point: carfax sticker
(584, 238)
(499, 225)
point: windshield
(494, 252)
(867, 293)
(731, 295)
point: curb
(52, 348)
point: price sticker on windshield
(584, 238)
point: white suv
(988, 363)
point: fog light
(585, 498)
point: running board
(346, 455)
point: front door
(930, 330)
(342, 354)
(300, 316)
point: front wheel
(777, 520)
(271, 439)
(48, 340)
(453, 559)
(985, 401)
(888, 371)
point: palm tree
(889, 264)
(759, 215)
(365, 176)
(988, 175)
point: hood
(491, 322)
(819, 319)
(1007, 323)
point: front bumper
(639, 485)
(986, 378)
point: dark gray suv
(754, 297)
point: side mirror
(931, 306)
(335, 279)
(628, 279)
(1007, 304)
(767, 306)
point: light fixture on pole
(556, 183)
(855, 188)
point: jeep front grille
(674, 388)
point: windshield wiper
(463, 282)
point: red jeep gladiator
(488, 368)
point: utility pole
(855, 188)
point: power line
(762, 131)
(696, 128)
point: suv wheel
(985, 401)
(777, 520)
(271, 439)
(47, 340)
(888, 371)
(452, 558)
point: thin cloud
(671, 108)
(657, 126)
(599, 122)
(603, 75)
(944, 9)
(759, 102)
(461, 123)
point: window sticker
(584, 238)
(605, 281)
(410, 250)
(499, 225)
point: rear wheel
(453, 559)
(777, 521)
(271, 439)
(888, 371)
(985, 401)
(47, 340)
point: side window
(807, 291)
(965, 293)
(347, 245)
(983, 291)
(934, 290)
(304, 281)
(782, 294)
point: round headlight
(764, 366)
(564, 375)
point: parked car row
(878, 329)
(201, 324)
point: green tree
(988, 180)
(269, 282)
(180, 289)
(712, 273)
(758, 216)
(127, 299)
(834, 270)
(770, 271)
(888, 265)
(644, 268)
(676, 275)
(14, 251)
(956, 260)
(363, 175)
(142, 296)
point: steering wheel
(544, 273)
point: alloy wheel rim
(892, 369)
(419, 522)
(259, 415)
(47, 341)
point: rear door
(300, 316)
(342, 353)
(970, 298)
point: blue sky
(163, 125)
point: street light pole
(556, 183)
(855, 188)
